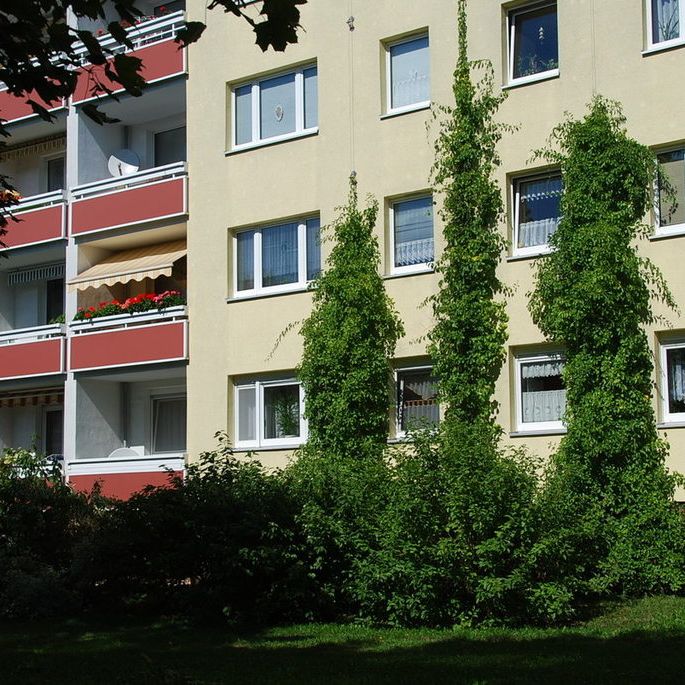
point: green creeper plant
(611, 522)
(349, 340)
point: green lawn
(634, 643)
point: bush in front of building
(42, 521)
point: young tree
(611, 521)
(453, 538)
(349, 340)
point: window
(55, 174)
(536, 212)
(670, 209)
(541, 394)
(665, 17)
(412, 234)
(533, 42)
(673, 387)
(54, 299)
(167, 7)
(408, 74)
(169, 424)
(276, 108)
(170, 146)
(269, 414)
(53, 435)
(277, 258)
(417, 400)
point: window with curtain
(408, 73)
(276, 107)
(281, 257)
(417, 399)
(542, 395)
(537, 211)
(666, 20)
(269, 413)
(413, 233)
(675, 377)
(55, 174)
(533, 40)
(672, 188)
(169, 424)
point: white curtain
(410, 72)
(538, 210)
(676, 375)
(542, 400)
(279, 255)
(665, 20)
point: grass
(635, 642)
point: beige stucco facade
(602, 49)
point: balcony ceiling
(30, 256)
(29, 129)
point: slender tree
(612, 525)
(349, 340)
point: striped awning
(32, 398)
(151, 261)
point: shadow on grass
(168, 653)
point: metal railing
(55, 197)
(160, 173)
(146, 33)
(34, 333)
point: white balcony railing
(34, 333)
(160, 173)
(179, 313)
(39, 201)
(146, 33)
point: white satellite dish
(123, 162)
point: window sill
(267, 448)
(534, 78)
(665, 425)
(533, 433)
(528, 255)
(405, 274)
(667, 45)
(271, 141)
(669, 232)
(418, 107)
(262, 296)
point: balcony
(41, 218)
(153, 43)
(30, 352)
(142, 197)
(15, 109)
(129, 340)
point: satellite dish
(123, 162)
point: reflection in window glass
(409, 72)
(672, 188)
(543, 396)
(538, 210)
(535, 41)
(665, 20)
(675, 369)
(413, 224)
(279, 255)
(281, 411)
(417, 399)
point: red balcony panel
(35, 226)
(161, 60)
(14, 108)
(123, 347)
(129, 206)
(121, 485)
(35, 358)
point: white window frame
(666, 415)
(529, 427)
(410, 268)
(258, 289)
(664, 44)
(166, 396)
(534, 250)
(399, 433)
(389, 109)
(260, 441)
(511, 33)
(300, 129)
(673, 229)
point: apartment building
(102, 217)
(281, 133)
(272, 139)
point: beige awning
(151, 261)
